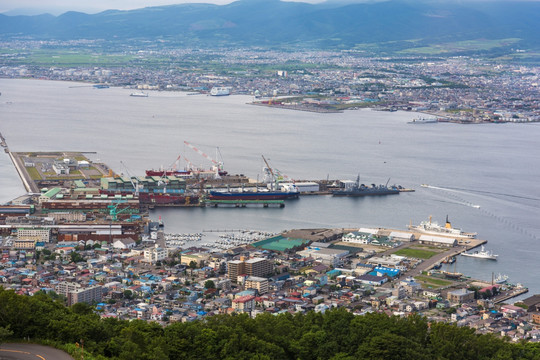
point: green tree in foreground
(5, 333)
(335, 335)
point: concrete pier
(245, 203)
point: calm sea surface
(496, 167)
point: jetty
(510, 294)
(245, 203)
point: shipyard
(108, 231)
(77, 208)
(68, 178)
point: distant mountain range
(276, 23)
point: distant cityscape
(461, 89)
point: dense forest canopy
(336, 334)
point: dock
(245, 203)
(510, 294)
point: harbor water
(484, 177)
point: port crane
(218, 165)
(132, 179)
(276, 174)
(268, 169)
(174, 165)
(113, 209)
(282, 176)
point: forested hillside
(336, 334)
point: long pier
(509, 295)
(245, 203)
(223, 231)
(29, 185)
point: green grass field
(34, 174)
(416, 253)
(431, 282)
(460, 46)
(68, 58)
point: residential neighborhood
(129, 279)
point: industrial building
(172, 184)
(437, 240)
(326, 256)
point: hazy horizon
(57, 7)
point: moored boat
(243, 194)
(501, 279)
(481, 254)
(355, 189)
(429, 227)
(273, 192)
(423, 121)
(220, 91)
(139, 94)
(179, 173)
(452, 275)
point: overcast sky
(56, 7)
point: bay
(495, 166)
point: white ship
(220, 91)
(428, 227)
(139, 94)
(423, 121)
(482, 254)
(501, 279)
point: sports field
(279, 243)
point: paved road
(433, 260)
(31, 352)
(426, 264)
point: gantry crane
(113, 209)
(218, 165)
(132, 179)
(276, 175)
